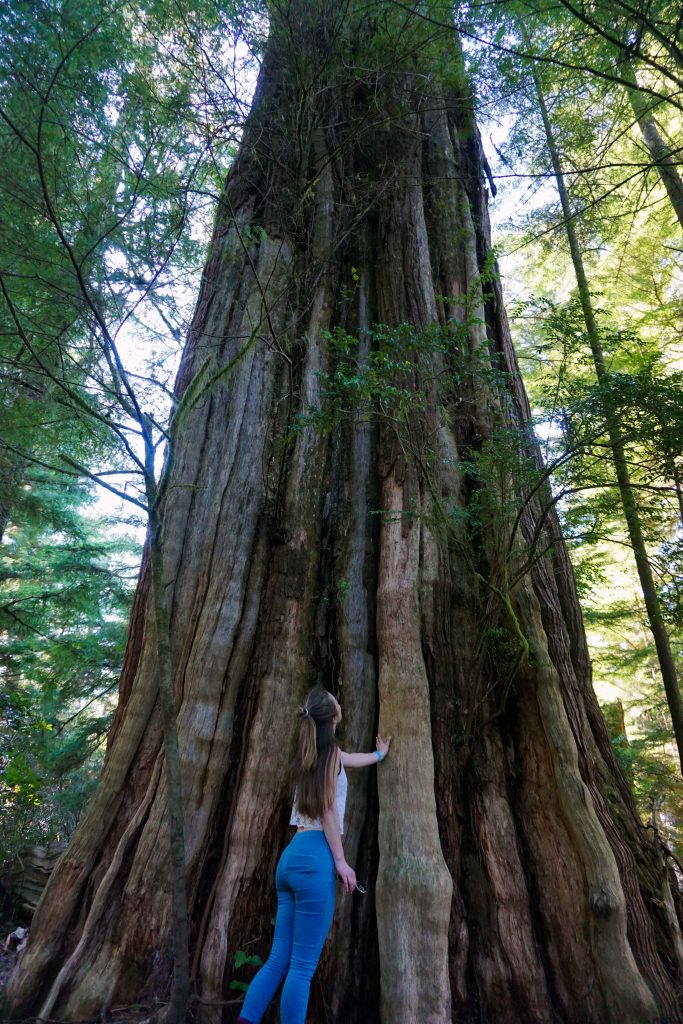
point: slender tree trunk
(678, 484)
(12, 470)
(180, 990)
(508, 875)
(662, 157)
(635, 531)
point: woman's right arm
(330, 823)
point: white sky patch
(146, 344)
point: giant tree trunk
(509, 876)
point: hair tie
(305, 712)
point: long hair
(312, 772)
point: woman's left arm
(362, 760)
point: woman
(305, 876)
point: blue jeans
(305, 881)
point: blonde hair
(312, 772)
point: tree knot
(602, 902)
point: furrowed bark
(623, 990)
(353, 937)
(286, 668)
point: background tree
(65, 597)
(636, 535)
(628, 238)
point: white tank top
(301, 821)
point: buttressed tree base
(354, 502)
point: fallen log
(25, 878)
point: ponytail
(312, 771)
(308, 745)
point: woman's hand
(383, 745)
(347, 874)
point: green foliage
(243, 959)
(383, 382)
(644, 397)
(113, 122)
(631, 251)
(64, 598)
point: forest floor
(8, 958)
(136, 1014)
(8, 953)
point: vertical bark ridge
(412, 874)
(510, 973)
(454, 672)
(625, 993)
(234, 695)
(617, 814)
(414, 886)
(203, 739)
(505, 949)
(290, 603)
(250, 385)
(357, 682)
(134, 641)
(453, 664)
(103, 893)
(555, 869)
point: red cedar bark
(508, 876)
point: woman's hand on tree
(347, 875)
(383, 745)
